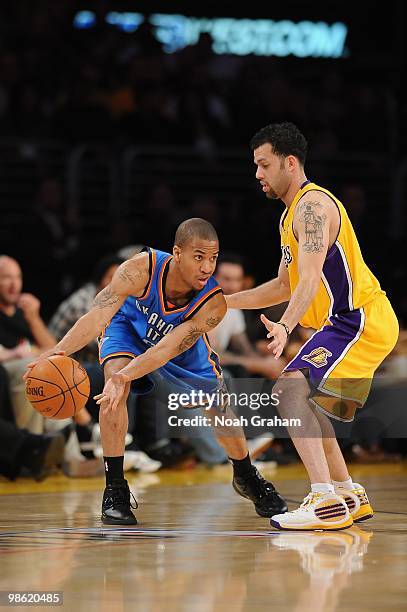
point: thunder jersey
(347, 283)
(152, 317)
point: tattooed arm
(178, 340)
(316, 224)
(129, 279)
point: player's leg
(336, 463)
(116, 505)
(114, 425)
(354, 494)
(322, 508)
(293, 391)
(247, 481)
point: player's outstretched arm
(176, 342)
(273, 292)
(311, 223)
(129, 279)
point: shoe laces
(308, 501)
(122, 497)
(135, 501)
(263, 486)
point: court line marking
(141, 531)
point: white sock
(322, 487)
(344, 484)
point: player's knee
(292, 391)
(290, 384)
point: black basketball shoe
(116, 504)
(267, 501)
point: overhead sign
(263, 37)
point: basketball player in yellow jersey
(328, 287)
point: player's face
(230, 277)
(271, 172)
(197, 261)
(10, 282)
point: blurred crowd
(104, 84)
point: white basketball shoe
(318, 511)
(357, 501)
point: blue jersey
(143, 321)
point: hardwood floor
(199, 547)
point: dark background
(105, 140)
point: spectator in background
(80, 302)
(53, 235)
(244, 359)
(229, 338)
(22, 452)
(23, 334)
(129, 250)
(241, 358)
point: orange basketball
(58, 387)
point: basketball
(58, 387)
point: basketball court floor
(201, 548)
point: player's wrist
(286, 327)
(126, 378)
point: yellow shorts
(342, 357)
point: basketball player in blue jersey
(329, 288)
(154, 316)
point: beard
(271, 194)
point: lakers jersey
(143, 321)
(346, 283)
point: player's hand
(279, 335)
(113, 392)
(44, 355)
(30, 305)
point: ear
(292, 163)
(176, 252)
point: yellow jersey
(346, 283)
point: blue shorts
(121, 340)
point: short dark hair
(194, 228)
(284, 138)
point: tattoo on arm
(212, 322)
(311, 215)
(127, 277)
(190, 339)
(106, 298)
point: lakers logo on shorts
(318, 357)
